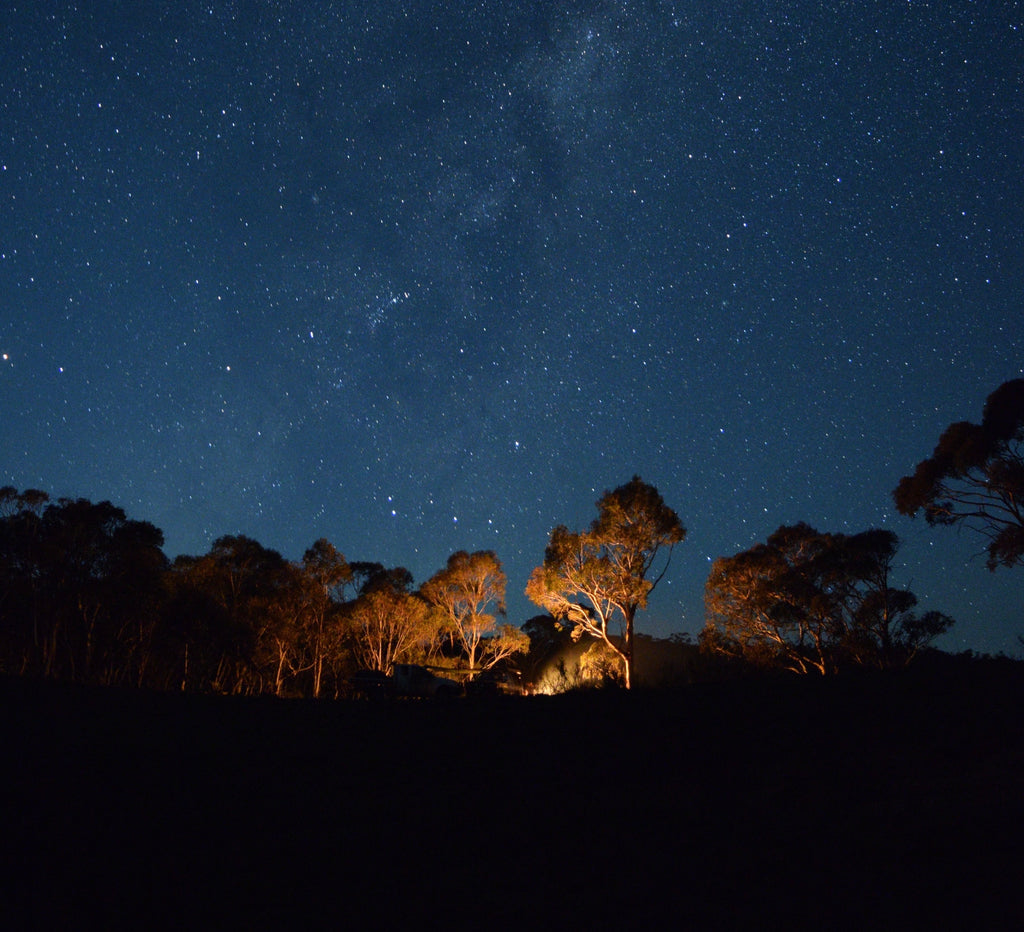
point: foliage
(810, 602)
(79, 583)
(593, 578)
(975, 476)
(600, 666)
(87, 595)
(252, 597)
(507, 642)
(548, 637)
(388, 624)
(327, 577)
(462, 592)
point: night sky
(422, 277)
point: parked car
(371, 684)
(412, 680)
(408, 680)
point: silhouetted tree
(367, 576)
(21, 623)
(593, 577)
(13, 502)
(248, 595)
(975, 476)
(194, 633)
(808, 602)
(79, 587)
(326, 578)
(880, 627)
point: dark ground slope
(858, 803)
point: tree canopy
(605, 574)
(389, 624)
(975, 476)
(79, 587)
(808, 601)
(88, 595)
(470, 593)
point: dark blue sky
(421, 277)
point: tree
(367, 576)
(326, 576)
(79, 583)
(548, 637)
(880, 628)
(975, 476)
(809, 602)
(593, 578)
(463, 592)
(237, 607)
(751, 612)
(22, 615)
(388, 624)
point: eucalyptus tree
(597, 580)
(975, 477)
(469, 595)
(812, 602)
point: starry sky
(421, 276)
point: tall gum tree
(975, 477)
(808, 601)
(606, 574)
(327, 576)
(387, 623)
(470, 594)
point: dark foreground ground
(861, 803)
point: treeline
(809, 601)
(88, 596)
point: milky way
(426, 277)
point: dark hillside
(858, 802)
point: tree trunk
(318, 672)
(279, 678)
(318, 657)
(628, 648)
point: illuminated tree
(762, 607)
(595, 578)
(599, 665)
(975, 476)
(809, 602)
(388, 624)
(469, 593)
